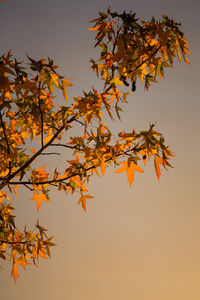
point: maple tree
(130, 50)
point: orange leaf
(130, 172)
(33, 150)
(123, 168)
(157, 161)
(94, 28)
(66, 82)
(102, 166)
(64, 93)
(144, 156)
(39, 198)
(129, 168)
(82, 200)
(76, 161)
(15, 271)
(41, 253)
(15, 190)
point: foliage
(130, 49)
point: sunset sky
(140, 243)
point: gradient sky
(133, 243)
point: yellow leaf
(116, 80)
(65, 83)
(54, 80)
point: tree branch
(26, 164)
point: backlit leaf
(15, 271)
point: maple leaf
(130, 168)
(83, 199)
(39, 198)
(157, 162)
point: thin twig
(7, 242)
(66, 146)
(78, 121)
(52, 127)
(42, 121)
(28, 187)
(7, 143)
(52, 153)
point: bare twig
(52, 153)
(41, 115)
(78, 121)
(11, 243)
(6, 139)
(53, 127)
(66, 146)
(28, 187)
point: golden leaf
(116, 80)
